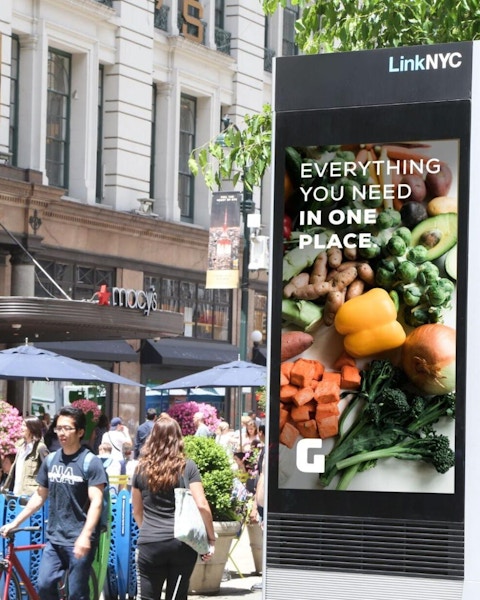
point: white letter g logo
(309, 456)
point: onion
(428, 358)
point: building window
(80, 282)
(186, 181)
(290, 14)
(153, 141)
(13, 134)
(207, 313)
(260, 314)
(58, 117)
(99, 179)
(220, 14)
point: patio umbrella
(29, 362)
(238, 373)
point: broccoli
(431, 448)
(389, 421)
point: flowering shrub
(183, 413)
(88, 406)
(10, 428)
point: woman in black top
(160, 556)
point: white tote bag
(189, 526)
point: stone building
(101, 102)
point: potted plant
(92, 413)
(217, 476)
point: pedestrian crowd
(54, 462)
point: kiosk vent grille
(381, 546)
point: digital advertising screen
(367, 390)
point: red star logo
(104, 296)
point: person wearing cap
(144, 431)
(116, 437)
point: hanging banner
(224, 241)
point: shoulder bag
(189, 526)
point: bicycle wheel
(16, 590)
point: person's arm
(35, 502)
(198, 494)
(137, 506)
(82, 543)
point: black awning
(259, 356)
(187, 353)
(95, 350)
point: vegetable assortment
(391, 422)
(387, 300)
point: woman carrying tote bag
(161, 557)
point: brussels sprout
(373, 199)
(407, 271)
(436, 295)
(416, 316)
(384, 220)
(417, 254)
(371, 252)
(384, 278)
(412, 295)
(396, 246)
(428, 273)
(405, 234)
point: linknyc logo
(429, 62)
(309, 456)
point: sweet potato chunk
(327, 391)
(351, 378)
(302, 396)
(308, 429)
(328, 427)
(302, 413)
(289, 435)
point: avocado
(451, 262)
(438, 234)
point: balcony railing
(268, 59)
(222, 40)
(161, 17)
(106, 2)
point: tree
(342, 25)
(367, 24)
(236, 153)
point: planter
(207, 577)
(255, 535)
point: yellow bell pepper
(369, 324)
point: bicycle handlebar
(11, 534)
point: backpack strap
(86, 463)
(50, 456)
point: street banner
(224, 241)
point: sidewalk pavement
(236, 585)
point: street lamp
(246, 207)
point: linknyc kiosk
(374, 402)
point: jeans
(170, 560)
(56, 560)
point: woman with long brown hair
(160, 556)
(30, 453)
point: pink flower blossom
(10, 428)
(88, 406)
(183, 413)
